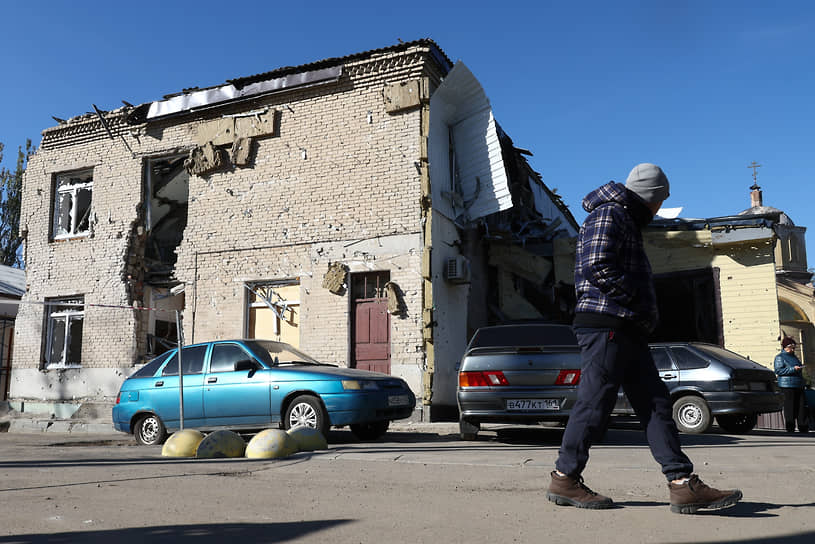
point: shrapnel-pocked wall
(337, 180)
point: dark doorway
(371, 339)
(689, 307)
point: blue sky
(702, 88)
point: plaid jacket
(612, 272)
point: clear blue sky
(700, 87)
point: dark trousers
(612, 359)
(795, 409)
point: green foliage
(11, 188)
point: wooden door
(371, 323)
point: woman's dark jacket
(788, 377)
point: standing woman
(791, 381)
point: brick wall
(337, 171)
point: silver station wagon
(529, 374)
(517, 374)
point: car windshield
(279, 353)
(733, 360)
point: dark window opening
(164, 339)
(72, 205)
(689, 307)
(167, 188)
(64, 334)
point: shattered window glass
(65, 319)
(57, 340)
(64, 213)
(72, 204)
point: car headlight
(359, 385)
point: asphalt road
(419, 485)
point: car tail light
(482, 379)
(568, 377)
(118, 396)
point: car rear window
(661, 359)
(520, 336)
(731, 359)
(687, 359)
(193, 358)
(150, 368)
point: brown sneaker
(694, 494)
(567, 491)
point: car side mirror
(245, 364)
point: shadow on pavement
(744, 509)
(798, 538)
(201, 534)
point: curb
(23, 425)
(69, 426)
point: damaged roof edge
(319, 72)
(730, 221)
(439, 56)
(229, 93)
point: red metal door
(371, 325)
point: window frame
(60, 189)
(64, 313)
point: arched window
(788, 311)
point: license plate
(533, 404)
(398, 400)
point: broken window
(274, 311)
(64, 342)
(166, 187)
(164, 339)
(72, 204)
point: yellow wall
(746, 281)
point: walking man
(616, 311)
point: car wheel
(370, 431)
(692, 415)
(737, 423)
(468, 430)
(307, 411)
(150, 431)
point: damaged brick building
(366, 208)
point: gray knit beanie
(649, 182)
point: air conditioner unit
(457, 270)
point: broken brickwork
(280, 186)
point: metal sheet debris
(226, 93)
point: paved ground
(421, 484)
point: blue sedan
(253, 384)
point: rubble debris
(335, 279)
(404, 95)
(240, 151)
(203, 159)
(396, 299)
